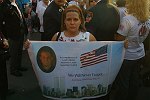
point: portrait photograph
(46, 59)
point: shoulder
(52, 9)
(39, 3)
(56, 36)
(51, 6)
(87, 33)
(49, 11)
(130, 19)
(6, 7)
(90, 36)
(93, 9)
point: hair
(73, 8)
(139, 9)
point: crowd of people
(76, 21)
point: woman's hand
(26, 44)
(126, 43)
(5, 43)
(119, 37)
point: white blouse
(79, 38)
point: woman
(135, 28)
(72, 27)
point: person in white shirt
(41, 7)
(134, 27)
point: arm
(123, 31)
(92, 38)
(26, 44)
(4, 40)
(119, 37)
(54, 37)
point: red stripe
(85, 65)
(94, 60)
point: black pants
(3, 79)
(15, 48)
(127, 81)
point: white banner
(67, 70)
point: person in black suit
(14, 27)
(52, 19)
(4, 56)
(3, 70)
(103, 21)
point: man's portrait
(46, 59)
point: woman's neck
(71, 34)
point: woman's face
(72, 22)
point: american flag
(94, 57)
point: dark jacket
(1, 42)
(10, 22)
(52, 20)
(105, 21)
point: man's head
(46, 59)
(92, 2)
(60, 2)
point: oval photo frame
(49, 57)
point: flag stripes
(94, 57)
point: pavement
(27, 87)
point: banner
(67, 70)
